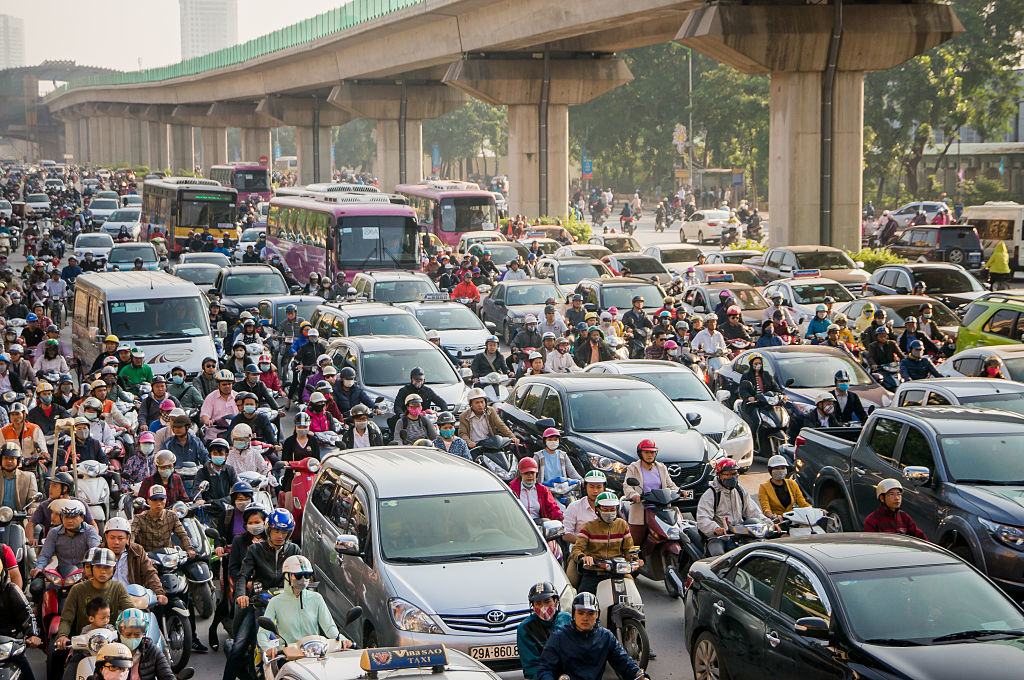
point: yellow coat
(770, 504)
(999, 263)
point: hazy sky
(119, 34)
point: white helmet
(887, 485)
(777, 461)
(475, 393)
(241, 431)
(297, 564)
(118, 524)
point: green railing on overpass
(338, 19)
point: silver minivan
(434, 548)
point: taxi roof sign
(435, 297)
(806, 273)
(397, 658)
(721, 278)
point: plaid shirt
(883, 520)
(174, 487)
(153, 533)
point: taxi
(702, 298)
(806, 290)
(462, 332)
(395, 662)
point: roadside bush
(873, 258)
(749, 244)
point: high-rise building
(12, 41)
(207, 26)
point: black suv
(242, 286)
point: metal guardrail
(339, 19)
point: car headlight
(1005, 533)
(410, 618)
(606, 464)
(739, 430)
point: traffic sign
(263, 160)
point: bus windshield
(207, 214)
(251, 180)
(377, 241)
(468, 213)
(153, 318)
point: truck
(782, 263)
(962, 469)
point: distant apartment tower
(12, 41)
(207, 26)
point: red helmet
(733, 309)
(646, 445)
(527, 465)
(725, 465)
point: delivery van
(998, 221)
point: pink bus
(251, 180)
(448, 208)
(328, 234)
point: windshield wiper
(972, 634)
(893, 642)
(499, 553)
(990, 482)
(418, 560)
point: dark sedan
(878, 606)
(509, 303)
(603, 418)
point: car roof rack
(1003, 296)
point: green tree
(354, 146)
(464, 133)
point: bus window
(993, 230)
(468, 213)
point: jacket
(884, 520)
(262, 428)
(297, 617)
(581, 355)
(531, 636)
(376, 436)
(19, 619)
(347, 398)
(602, 541)
(408, 431)
(24, 488)
(429, 396)
(204, 385)
(718, 505)
(527, 338)
(30, 439)
(140, 568)
(481, 366)
(770, 504)
(263, 563)
(153, 664)
(549, 507)
(634, 469)
(456, 448)
(494, 423)
(583, 655)
(916, 369)
(557, 362)
(748, 384)
(853, 408)
(187, 395)
(192, 451)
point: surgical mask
(779, 475)
(242, 504)
(360, 424)
(241, 446)
(562, 349)
(249, 409)
(46, 399)
(607, 517)
(673, 352)
(218, 460)
(729, 483)
(177, 379)
(130, 643)
(827, 409)
(82, 434)
(447, 433)
(348, 383)
(415, 410)
(317, 407)
(299, 583)
(166, 473)
(91, 415)
(264, 368)
(551, 445)
(547, 613)
(255, 529)
(114, 673)
(926, 316)
(147, 448)
(843, 386)
(769, 330)
(240, 352)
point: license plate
(686, 494)
(494, 652)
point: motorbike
(637, 342)
(772, 420)
(10, 649)
(94, 489)
(329, 442)
(808, 521)
(627, 225)
(88, 644)
(889, 376)
(54, 596)
(303, 473)
(261, 486)
(12, 534)
(197, 570)
(311, 646)
(495, 386)
(145, 599)
(625, 615)
(564, 490)
(736, 346)
(740, 534)
(659, 222)
(729, 236)
(469, 302)
(173, 616)
(618, 347)
(495, 454)
(668, 550)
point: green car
(993, 319)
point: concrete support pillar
(95, 139)
(214, 147)
(389, 168)
(156, 145)
(518, 83)
(71, 143)
(83, 139)
(255, 143)
(307, 154)
(138, 153)
(119, 139)
(108, 152)
(180, 155)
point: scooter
(88, 644)
(624, 617)
(261, 488)
(495, 454)
(311, 646)
(197, 570)
(564, 490)
(94, 489)
(668, 551)
(12, 533)
(54, 596)
(748, 531)
(889, 376)
(808, 521)
(772, 421)
(495, 387)
(173, 616)
(303, 473)
(10, 649)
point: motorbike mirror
(490, 325)
(812, 627)
(871, 409)
(267, 623)
(37, 497)
(722, 395)
(552, 529)
(546, 423)
(379, 400)
(632, 481)
(917, 475)
(212, 533)
(346, 544)
(279, 465)
(353, 615)
(204, 485)
(700, 310)
(693, 419)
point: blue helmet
(281, 519)
(31, 317)
(241, 487)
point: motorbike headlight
(74, 578)
(804, 409)
(410, 618)
(314, 648)
(606, 464)
(739, 430)
(169, 560)
(96, 642)
(673, 533)
(313, 466)
(6, 514)
(1009, 535)
(5, 650)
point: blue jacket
(582, 655)
(530, 647)
(916, 369)
(817, 326)
(768, 341)
(193, 450)
(298, 342)
(346, 399)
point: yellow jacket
(999, 263)
(846, 336)
(770, 504)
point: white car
(97, 243)
(1006, 395)
(37, 203)
(567, 272)
(905, 213)
(6, 209)
(54, 185)
(676, 257)
(131, 200)
(462, 332)
(248, 238)
(803, 294)
(102, 209)
(90, 183)
(703, 225)
(131, 218)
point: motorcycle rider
(817, 328)
(22, 366)
(417, 385)
(45, 413)
(877, 321)
(637, 321)
(536, 498)
(535, 630)
(259, 423)
(583, 510)
(69, 543)
(219, 405)
(364, 432)
(145, 657)
(206, 381)
(710, 340)
(153, 403)
(488, 361)
(651, 474)
(221, 476)
(754, 382)
(24, 434)
(166, 477)
(247, 458)
(185, 394)
(137, 372)
(734, 328)
(584, 649)
(553, 462)
(848, 403)
(101, 584)
(528, 336)
(131, 564)
(992, 368)
(592, 348)
(110, 344)
(19, 620)
(917, 366)
(824, 414)
(604, 538)
(152, 529)
(481, 421)
(296, 611)
(575, 313)
(779, 494)
(347, 392)
(724, 504)
(883, 350)
(889, 518)
(561, 361)
(306, 350)
(411, 425)
(9, 380)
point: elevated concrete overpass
(402, 61)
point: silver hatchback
(434, 548)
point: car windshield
(642, 265)
(385, 324)
(680, 254)
(621, 296)
(634, 408)
(250, 235)
(129, 253)
(545, 247)
(921, 608)
(37, 198)
(946, 280)
(182, 317)
(621, 244)
(501, 252)
(681, 385)
(531, 294)
(749, 298)
(574, 273)
(449, 318)
(210, 258)
(201, 276)
(125, 216)
(392, 367)
(941, 315)
(304, 309)
(468, 213)
(255, 283)
(814, 293)
(824, 259)
(817, 371)
(734, 258)
(103, 204)
(5, 205)
(738, 275)
(455, 528)
(94, 241)
(597, 252)
(406, 290)
(1007, 401)
(985, 458)
(1015, 367)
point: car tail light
(689, 580)
(712, 223)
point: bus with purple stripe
(341, 233)
(448, 208)
(250, 180)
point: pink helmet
(671, 344)
(551, 432)
(527, 465)
(613, 311)
(166, 405)
(146, 437)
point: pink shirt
(215, 406)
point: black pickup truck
(962, 470)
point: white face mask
(779, 475)
(551, 445)
(114, 673)
(348, 383)
(607, 517)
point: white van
(163, 315)
(998, 221)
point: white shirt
(121, 568)
(561, 363)
(514, 275)
(361, 441)
(528, 497)
(576, 515)
(707, 342)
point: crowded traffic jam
(297, 432)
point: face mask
(926, 316)
(239, 353)
(255, 529)
(916, 353)
(673, 352)
(563, 349)
(827, 409)
(46, 399)
(241, 446)
(843, 386)
(607, 517)
(91, 415)
(547, 613)
(756, 367)
(264, 368)
(165, 473)
(249, 409)
(299, 583)
(729, 483)
(779, 475)
(551, 446)
(242, 505)
(130, 643)
(218, 460)
(147, 448)
(361, 424)
(177, 379)
(114, 673)
(447, 433)
(348, 383)
(769, 330)
(82, 434)
(318, 408)
(414, 410)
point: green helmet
(607, 498)
(595, 477)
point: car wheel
(707, 660)
(956, 256)
(842, 513)
(700, 237)
(506, 333)
(369, 637)
(963, 551)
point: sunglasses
(303, 575)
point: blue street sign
(435, 158)
(277, 152)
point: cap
(157, 491)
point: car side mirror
(295, 290)
(545, 423)
(347, 544)
(352, 616)
(693, 419)
(552, 529)
(700, 310)
(790, 382)
(722, 395)
(858, 265)
(916, 475)
(786, 268)
(267, 623)
(490, 325)
(632, 481)
(811, 627)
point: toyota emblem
(674, 470)
(495, 616)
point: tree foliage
(465, 132)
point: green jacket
(133, 376)
(295, 622)
(186, 394)
(73, 617)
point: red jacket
(466, 289)
(885, 521)
(549, 508)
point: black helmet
(585, 602)
(445, 418)
(416, 372)
(542, 591)
(348, 373)
(842, 375)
